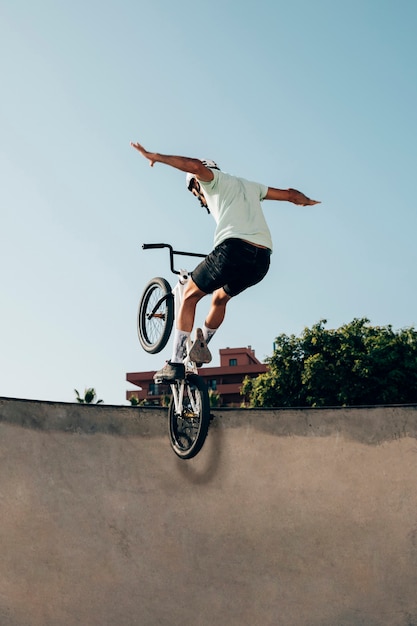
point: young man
(241, 254)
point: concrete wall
(293, 517)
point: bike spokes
(189, 416)
(155, 315)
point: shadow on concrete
(210, 462)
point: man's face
(196, 191)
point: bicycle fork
(178, 396)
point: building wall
(242, 356)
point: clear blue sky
(320, 95)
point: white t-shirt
(235, 204)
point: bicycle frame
(189, 408)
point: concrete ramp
(287, 517)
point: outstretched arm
(290, 195)
(185, 164)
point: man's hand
(151, 156)
(185, 164)
(289, 195)
(296, 197)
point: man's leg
(174, 369)
(185, 322)
(199, 351)
(218, 308)
(192, 295)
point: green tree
(354, 364)
(214, 399)
(89, 396)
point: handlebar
(172, 253)
(148, 246)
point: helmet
(211, 164)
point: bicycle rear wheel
(155, 315)
(188, 428)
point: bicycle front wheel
(155, 315)
(188, 425)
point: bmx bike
(189, 407)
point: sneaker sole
(199, 352)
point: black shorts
(234, 265)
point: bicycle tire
(154, 327)
(188, 431)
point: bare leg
(218, 309)
(186, 314)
